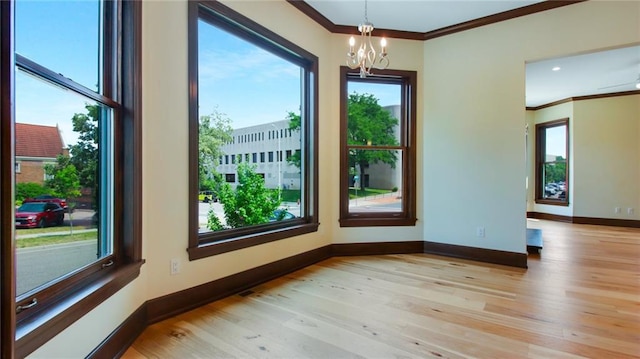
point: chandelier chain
(366, 16)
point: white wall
(474, 114)
(470, 141)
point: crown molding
(411, 35)
(582, 98)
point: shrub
(29, 190)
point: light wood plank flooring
(579, 298)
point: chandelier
(366, 57)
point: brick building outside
(36, 145)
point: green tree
(214, 131)
(64, 182)
(368, 124)
(249, 204)
(84, 153)
(294, 125)
(556, 171)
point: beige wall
(604, 157)
(607, 157)
(471, 161)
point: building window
(552, 162)
(215, 33)
(254, 157)
(261, 157)
(288, 155)
(270, 156)
(226, 159)
(230, 177)
(378, 150)
(85, 78)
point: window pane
(243, 92)
(64, 215)
(375, 180)
(555, 180)
(374, 110)
(556, 143)
(63, 36)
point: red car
(39, 214)
(49, 198)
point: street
(38, 265)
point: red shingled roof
(38, 141)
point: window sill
(552, 202)
(377, 222)
(249, 240)
(39, 329)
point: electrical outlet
(617, 210)
(630, 211)
(480, 232)
(175, 266)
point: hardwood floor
(579, 298)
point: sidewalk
(64, 233)
(375, 199)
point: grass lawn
(366, 193)
(290, 195)
(49, 229)
(55, 239)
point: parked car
(281, 215)
(207, 196)
(49, 198)
(549, 189)
(39, 214)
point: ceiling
(614, 70)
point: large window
(552, 162)
(76, 76)
(246, 80)
(377, 144)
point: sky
(61, 36)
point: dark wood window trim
(70, 299)
(540, 160)
(407, 217)
(7, 168)
(211, 243)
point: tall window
(249, 80)
(377, 144)
(76, 105)
(552, 162)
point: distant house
(36, 146)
